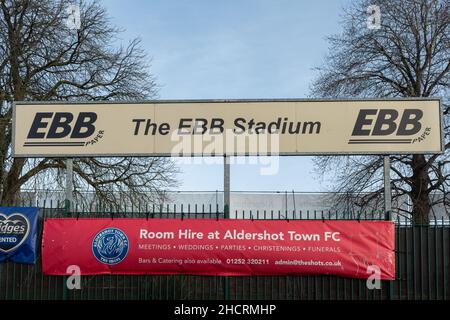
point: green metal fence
(422, 266)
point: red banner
(219, 247)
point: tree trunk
(419, 191)
(11, 186)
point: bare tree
(407, 56)
(47, 53)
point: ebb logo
(63, 125)
(375, 124)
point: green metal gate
(422, 267)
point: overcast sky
(234, 49)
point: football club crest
(110, 246)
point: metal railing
(284, 202)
